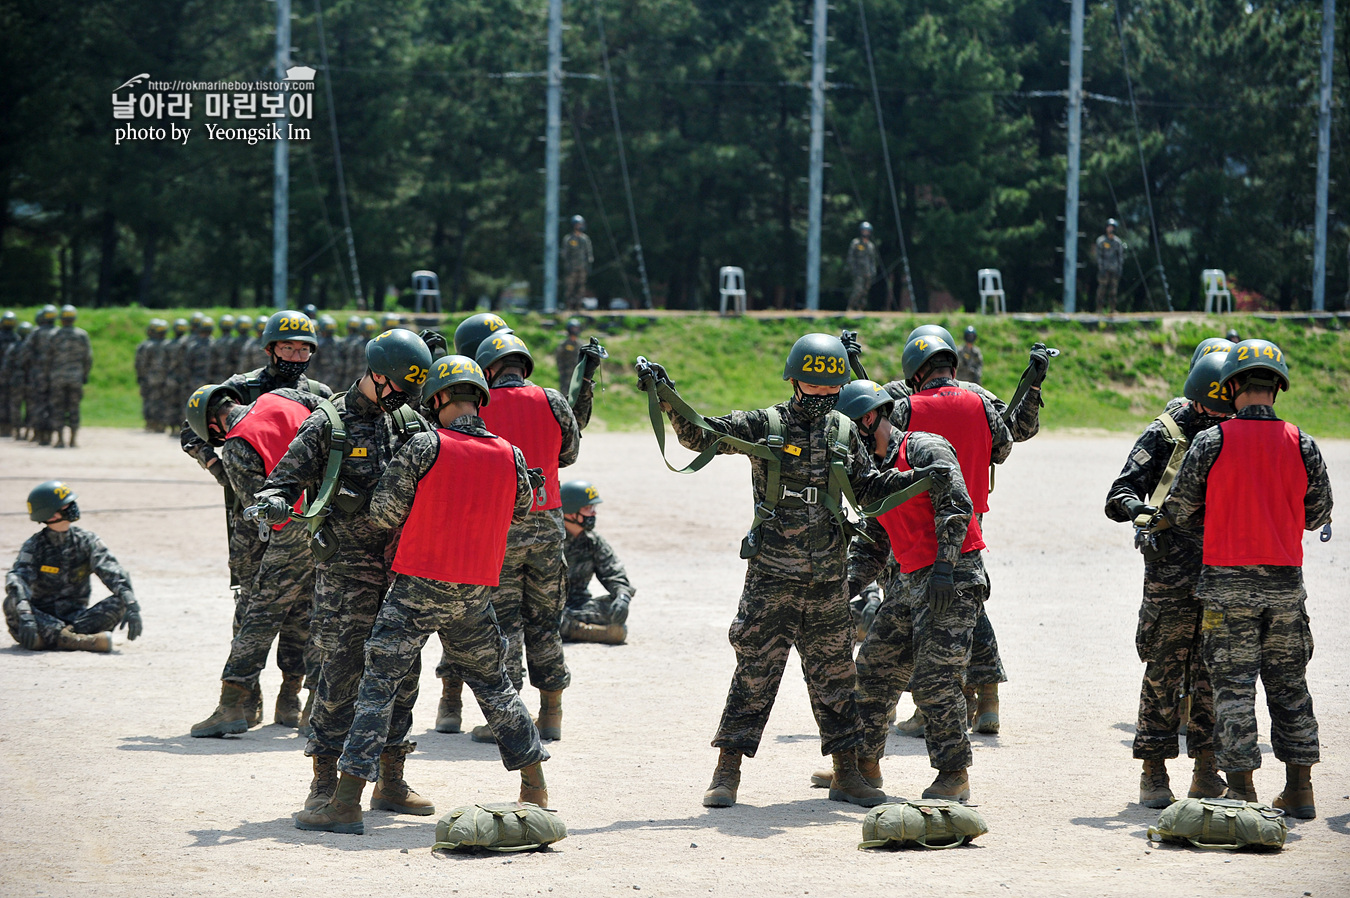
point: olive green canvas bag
(1220, 823)
(499, 827)
(927, 823)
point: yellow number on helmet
(493, 322)
(416, 375)
(62, 492)
(1215, 389)
(498, 343)
(442, 370)
(1242, 353)
(923, 344)
(591, 492)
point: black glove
(851, 344)
(653, 373)
(28, 635)
(131, 620)
(618, 609)
(1040, 363)
(436, 342)
(536, 478)
(218, 471)
(941, 587)
(1134, 508)
(936, 473)
(869, 612)
(272, 510)
(592, 353)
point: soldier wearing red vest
(277, 598)
(453, 493)
(529, 598)
(1255, 483)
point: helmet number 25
(416, 375)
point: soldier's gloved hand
(591, 354)
(936, 473)
(941, 587)
(1040, 363)
(436, 342)
(1134, 508)
(536, 478)
(131, 620)
(217, 470)
(851, 344)
(272, 510)
(28, 634)
(653, 373)
(618, 608)
(869, 612)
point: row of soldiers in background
(43, 370)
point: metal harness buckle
(809, 494)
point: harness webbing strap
(337, 450)
(1179, 446)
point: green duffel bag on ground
(928, 823)
(499, 827)
(1220, 823)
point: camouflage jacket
(969, 363)
(372, 443)
(52, 572)
(589, 555)
(863, 259)
(1185, 508)
(952, 509)
(268, 380)
(72, 357)
(39, 345)
(801, 542)
(1110, 253)
(576, 252)
(146, 353)
(1026, 419)
(197, 361)
(224, 351)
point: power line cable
(337, 159)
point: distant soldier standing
(9, 339)
(969, 359)
(1255, 483)
(146, 357)
(325, 367)
(569, 351)
(40, 360)
(175, 391)
(863, 264)
(223, 350)
(72, 359)
(577, 259)
(1110, 253)
(16, 372)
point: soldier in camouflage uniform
(863, 264)
(146, 374)
(16, 371)
(1109, 251)
(969, 359)
(246, 346)
(47, 588)
(795, 585)
(352, 580)
(175, 379)
(1254, 483)
(276, 574)
(72, 357)
(223, 350)
(590, 556)
(199, 354)
(445, 575)
(1168, 636)
(567, 355)
(577, 259)
(326, 364)
(40, 360)
(9, 340)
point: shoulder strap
(406, 422)
(337, 450)
(773, 475)
(253, 387)
(313, 384)
(1180, 443)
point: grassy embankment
(1115, 379)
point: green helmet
(202, 403)
(449, 370)
(157, 327)
(933, 330)
(1208, 345)
(817, 359)
(401, 356)
(919, 350)
(46, 499)
(180, 326)
(288, 325)
(1206, 386)
(502, 345)
(25, 328)
(354, 326)
(577, 494)
(227, 323)
(369, 327)
(259, 325)
(1248, 358)
(245, 325)
(69, 313)
(472, 331)
(8, 321)
(390, 321)
(196, 318)
(206, 326)
(327, 326)
(862, 396)
(46, 315)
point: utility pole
(1075, 149)
(817, 184)
(552, 150)
(281, 165)
(1319, 294)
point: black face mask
(290, 370)
(814, 407)
(71, 512)
(588, 522)
(391, 400)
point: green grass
(1113, 379)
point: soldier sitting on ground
(589, 555)
(47, 588)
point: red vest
(912, 530)
(456, 530)
(958, 415)
(523, 416)
(1254, 497)
(269, 426)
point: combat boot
(1240, 785)
(72, 436)
(952, 785)
(533, 789)
(550, 715)
(968, 691)
(253, 708)
(1155, 790)
(287, 711)
(60, 442)
(1205, 780)
(1297, 798)
(986, 709)
(70, 641)
(914, 726)
(849, 785)
(229, 714)
(324, 784)
(392, 792)
(341, 813)
(483, 733)
(725, 781)
(450, 712)
(870, 768)
(44, 437)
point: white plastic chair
(1216, 290)
(731, 285)
(427, 291)
(991, 288)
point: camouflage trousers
(66, 405)
(1271, 640)
(475, 653)
(908, 646)
(857, 297)
(528, 602)
(1168, 641)
(280, 603)
(986, 664)
(774, 615)
(1108, 282)
(99, 618)
(575, 285)
(347, 598)
(6, 405)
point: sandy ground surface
(105, 793)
